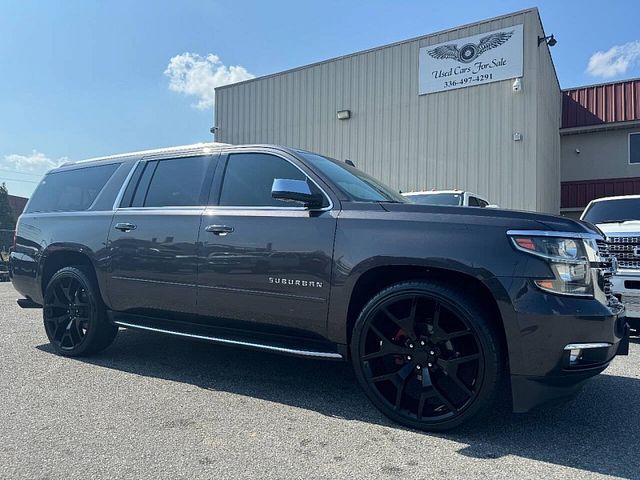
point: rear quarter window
(70, 190)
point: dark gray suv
(441, 310)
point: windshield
(611, 211)
(436, 199)
(359, 186)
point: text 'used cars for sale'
(441, 310)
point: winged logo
(470, 51)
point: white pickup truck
(456, 198)
(619, 220)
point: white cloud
(36, 162)
(193, 74)
(614, 61)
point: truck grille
(604, 249)
(624, 249)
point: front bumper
(540, 366)
(626, 286)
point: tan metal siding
(455, 139)
(549, 112)
(603, 155)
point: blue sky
(86, 78)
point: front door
(265, 261)
(154, 235)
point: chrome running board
(237, 343)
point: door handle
(125, 227)
(220, 230)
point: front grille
(606, 256)
(603, 249)
(607, 284)
(625, 249)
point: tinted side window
(143, 184)
(473, 202)
(249, 177)
(71, 190)
(176, 182)
(634, 148)
(483, 204)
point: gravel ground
(153, 406)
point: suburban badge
(295, 283)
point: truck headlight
(568, 259)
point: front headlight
(568, 259)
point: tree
(7, 222)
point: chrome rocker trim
(226, 341)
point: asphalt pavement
(154, 406)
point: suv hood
(512, 219)
(622, 228)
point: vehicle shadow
(596, 432)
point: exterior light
(574, 355)
(344, 114)
(551, 41)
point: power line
(19, 172)
(17, 180)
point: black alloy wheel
(67, 312)
(425, 355)
(74, 316)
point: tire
(427, 355)
(75, 318)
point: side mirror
(295, 191)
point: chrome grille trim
(624, 248)
(607, 269)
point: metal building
(600, 143)
(476, 107)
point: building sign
(485, 58)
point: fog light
(574, 355)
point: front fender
(345, 282)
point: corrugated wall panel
(579, 194)
(455, 139)
(605, 103)
(548, 151)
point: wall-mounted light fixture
(343, 114)
(551, 41)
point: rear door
(265, 261)
(153, 238)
